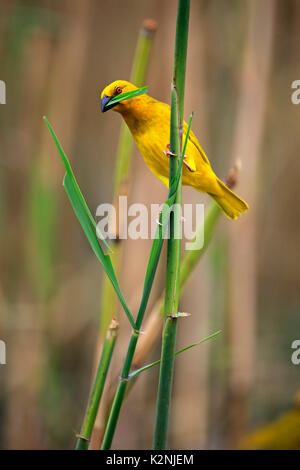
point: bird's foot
(168, 153)
(187, 165)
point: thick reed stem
(120, 393)
(173, 252)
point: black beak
(104, 103)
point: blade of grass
(128, 95)
(88, 224)
(98, 386)
(174, 243)
(156, 363)
(71, 176)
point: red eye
(118, 90)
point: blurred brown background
(56, 57)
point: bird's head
(114, 89)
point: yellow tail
(232, 205)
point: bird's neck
(137, 113)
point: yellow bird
(149, 123)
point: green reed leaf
(156, 363)
(88, 223)
(128, 95)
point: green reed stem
(120, 393)
(174, 242)
(97, 388)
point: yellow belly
(152, 146)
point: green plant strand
(97, 389)
(156, 363)
(171, 300)
(173, 252)
(128, 95)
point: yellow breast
(150, 128)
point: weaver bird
(149, 123)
